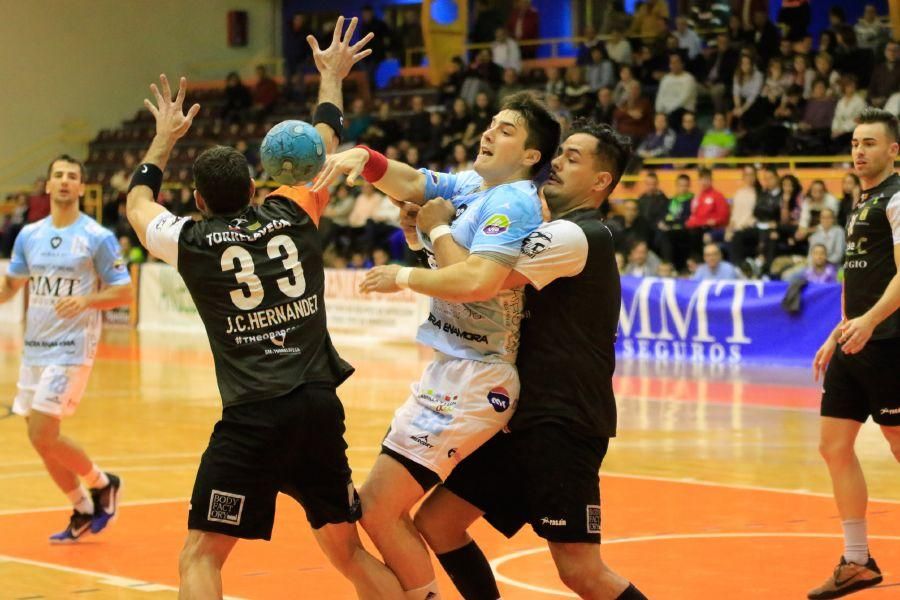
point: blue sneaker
(79, 524)
(106, 503)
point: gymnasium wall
(72, 68)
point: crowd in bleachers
(720, 80)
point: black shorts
(292, 444)
(546, 476)
(863, 384)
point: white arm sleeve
(893, 215)
(162, 236)
(555, 249)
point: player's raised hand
(349, 162)
(338, 58)
(381, 279)
(436, 211)
(171, 121)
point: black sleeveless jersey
(258, 283)
(873, 230)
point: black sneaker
(847, 578)
(79, 524)
(106, 503)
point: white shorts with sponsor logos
(455, 407)
(53, 390)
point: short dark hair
(222, 176)
(704, 172)
(683, 176)
(612, 148)
(877, 115)
(543, 128)
(71, 161)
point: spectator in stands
(296, 54)
(630, 226)
(688, 138)
(237, 99)
(505, 51)
(453, 82)
(38, 201)
(831, 236)
(482, 76)
(713, 267)
(671, 235)
(653, 203)
(850, 59)
(820, 269)
(743, 11)
(709, 212)
(641, 261)
(434, 150)
(555, 83)
(591, 39)
(559, 110)
(524, 24)
(836, 19)
(457, 121)
(413, 157)
(265, 93)
(851, 190)
(381, 43)
(385, 130)
(577, 93)
(721, 60)
(250, 155)
(802, 74)
(768, 215)
(737, 33)
(660, 142)
(487, 19)
(649, 68)
(634, 118)
(719, 141)
(688, 40)
(334, 227)
(613, 17)
(482, 114)
(677, 91)
(846, 112)
(813, 133)
(357, 122)
(374, 217)
(785, 117)
(620, 91)
(618, 48)
(741, 234)
(13, 223)
(510, 85)
(824, 70)
(776, 83)
(418, 122)
(605, 109)
(870, 30)
(766, 36)
(795, 15)
(709, 14)
(409, 35)
(886, 76)
(460, 160)
(748, 112)
(817, 199)
(600, 71)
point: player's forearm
(111, 297)
(462, 282)
(402, 183)
(159, 151)
(8, 288)
(448, 252)
(330, 91)
(888, 304)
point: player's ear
(532, 157)
(200, 202)
(603, 181)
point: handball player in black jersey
(256, 276)
(861, 358)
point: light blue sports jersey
(72, 261)
(492, 223)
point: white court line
(732, 486)
(497, 562)
(103, 578)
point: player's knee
(836, 451)
(430, 525)
(575, 578)
(344, 555)
(43, 440)
(200, 551)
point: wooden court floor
(713, 488)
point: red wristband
(375, 167)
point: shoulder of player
(509, 195)
(97, 232)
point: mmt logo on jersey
(658, 320)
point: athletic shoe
(847, 578)
(106, 501)
(79, 525)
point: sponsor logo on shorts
(431, 421)
(593, 518)
(553, 522)
(890, 411)
(499, 399)
(55, 241)
(422, 440)
(225, 507)
(536, 243)
(439, 401)
(496, 224)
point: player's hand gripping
(338, 58)
(349, 162)
(435, 212)
(70, 306)
(171, 122)
(408, 214)
(381, 279)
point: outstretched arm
(10, 286)
(396, 179)
(171, 125)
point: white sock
(96, 478)
(428, 592)
(81, 500)
(856, 542)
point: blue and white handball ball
(292, 152)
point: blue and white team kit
(469, 392)
(59, 353)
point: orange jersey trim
(312, 203)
